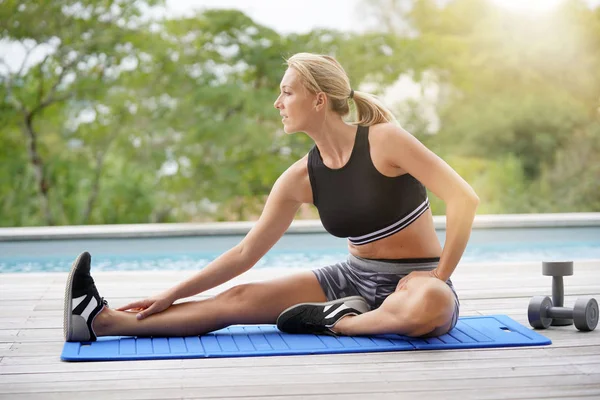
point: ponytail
(370, 110)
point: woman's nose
(278, 104)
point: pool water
(293, 250)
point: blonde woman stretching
(368, 182)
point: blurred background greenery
(134, 119)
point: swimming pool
(294, 250)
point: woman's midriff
(418, 240)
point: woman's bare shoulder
(380, 132)
(296, 182)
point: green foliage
(121, 119)
(532, 128)
(573, 181)
(500, 184)
(521, 93)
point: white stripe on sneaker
(335, 312)
(328, 307)
(90, 307)
(77, 301)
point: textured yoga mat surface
(266, 340)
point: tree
(86, 44)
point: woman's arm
(289, 192)
(404, 151)
(279, 211)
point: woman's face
(295, 103)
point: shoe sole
(69, 299)
(356, 302)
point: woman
(368, 182)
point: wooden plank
(310, 373)
(108, 281)
(149, 370)
(476, 293)
(532, 392)
(305, 384)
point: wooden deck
(31, 343)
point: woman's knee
(238, 296)
(433, 305)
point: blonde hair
(323, 73)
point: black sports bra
(357, 201)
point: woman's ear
(320, 101)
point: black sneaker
(82, 302)
(319, 318)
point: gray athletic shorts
(374, 280)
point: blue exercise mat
(267, 340)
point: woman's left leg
(427, 306)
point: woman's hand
(403, 281)
(149, 306)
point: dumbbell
(544, 311)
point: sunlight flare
(528, 6)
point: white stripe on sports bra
(395, 227)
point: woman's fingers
(401, 283)
(140, 304)
(147, 312)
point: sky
(284, 16)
